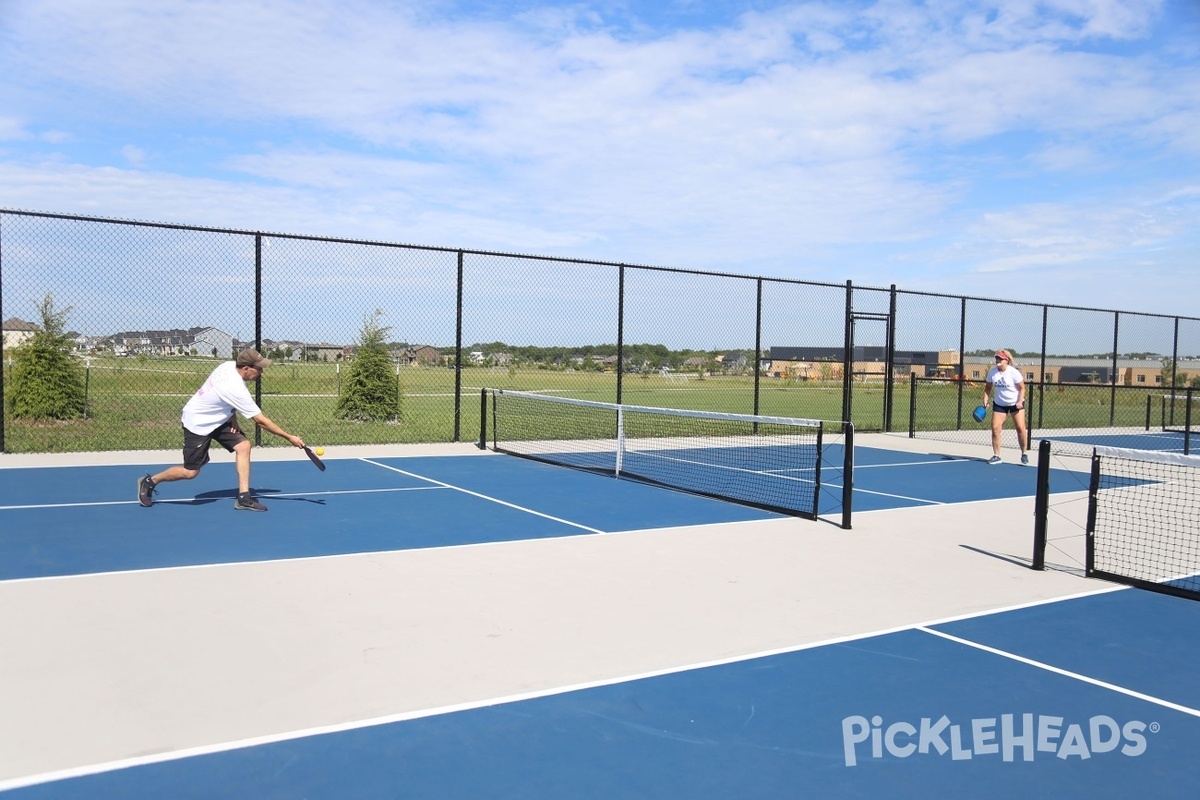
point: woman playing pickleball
(1005, 392)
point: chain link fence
(151, 308)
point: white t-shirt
(1005, 383)
(223, 393)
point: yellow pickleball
(320, 451)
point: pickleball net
(780, 464)
(1143, 524)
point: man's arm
(265, 422)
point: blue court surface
(1094, 695)
(82, 520)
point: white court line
(194, 499)
(860, 490)
(950, 460)
(484, 497)
(1067, 673)
(258, 741)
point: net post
(912, 408)
(1187, 422)
(847, 474)
(1090, 531)
(1041, 506)
(482, 443)
(620, 438)
(816, 503)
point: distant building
(421, 355)
(1129, 371)
(868, 363)
(201, 341)
(17, 331)
(211, 342)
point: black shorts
(999, 409)
(195, 445)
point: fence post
(458, 326)
(258, 299)
(1112, 400)
(1042, 367)
(3, 405)
(962, 361)
(889, 384)
(620, 331)
(757, 342)
(848, 356)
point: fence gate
(867, 368)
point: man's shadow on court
(204, 498)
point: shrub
(46, 383)
(370, 391)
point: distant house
(287, 349)
(17, 331)
(421, 355)
(326, 352)
(198, 340)
(733, 362)
(210, 342)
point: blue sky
(1033, 150)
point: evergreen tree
(46, 383)
(370, 391)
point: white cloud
(896, 141)
(136, 156)
(12, 128)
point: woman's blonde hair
(1007, 356)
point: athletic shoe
(994, 460)
(1025, 458)
(146, 491)
(246, 502)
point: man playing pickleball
(211, 416)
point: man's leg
(241, 452)
(245, 501)
(177, 473)
(195, 456)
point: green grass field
(134, 403)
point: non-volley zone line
(922, 463)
